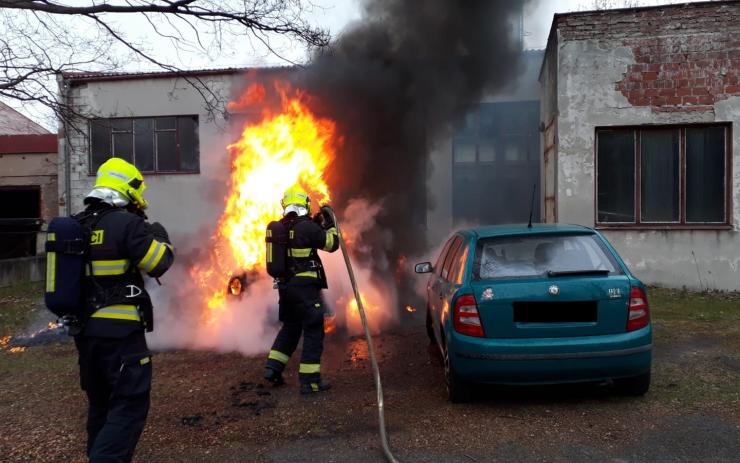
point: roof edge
(78, 77)
(687, 4)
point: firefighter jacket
(305, 238)
(122, 245)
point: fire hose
(371, 350)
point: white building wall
(587, 73)
(182, 202)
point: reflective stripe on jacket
(305, 238)
(122, 245)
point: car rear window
(541, 255)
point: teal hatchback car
(537, 305)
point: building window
(153, 144)
(666, 176)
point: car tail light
(639, 311)
(466, 318)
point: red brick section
(687, 57)
(683, 73)
(28, 144)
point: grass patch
(710, 307)
(39, 361)
(707, 384)
(697, 333)
(18, 304)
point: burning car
(537, 305)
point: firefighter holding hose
(292, 259)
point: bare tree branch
(41, 39)
(252, 19)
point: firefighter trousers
(116, 375)
(302, 312)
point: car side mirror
(424, 267)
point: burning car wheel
(458, 391)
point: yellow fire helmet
(298, 196)
(125, 178)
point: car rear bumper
(551, 360)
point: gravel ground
(209, 407)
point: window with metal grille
(156, 145)
(663, 176)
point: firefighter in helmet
(301, 308)
(115, 363)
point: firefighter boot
(275, 377)
(313, 387)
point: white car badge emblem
(554, 290)
(487, 294)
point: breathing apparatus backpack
(67, 242)
(276, 238)
(67, 256)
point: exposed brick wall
(687, 57)
(683, 73)
(667, 20)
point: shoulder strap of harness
(302, 264)
(90, 220)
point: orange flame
(354, 309)
(330, 325)
(372, 301)
(287, 147)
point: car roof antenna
(531, 206)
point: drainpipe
(66, 90)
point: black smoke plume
(393, 82)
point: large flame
(286, 147)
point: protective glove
(319, 219)
(159, 232)
(328, 221)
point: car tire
(633, 386)
(430, 328)
(458, 391)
